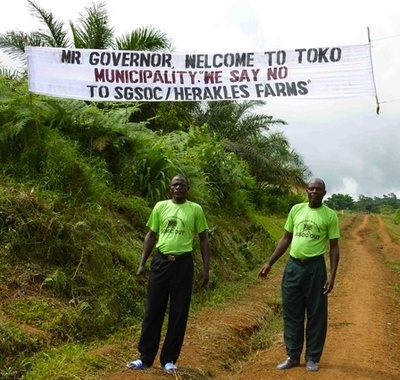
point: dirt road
(364, 325)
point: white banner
(111, 75)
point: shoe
(136, 364)
(311, 366)
(170, 368)
(288, 363)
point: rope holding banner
(373, 76)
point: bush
(397, 217)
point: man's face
(178, 188)
(316, 192)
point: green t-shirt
(176, 224)
(311, 229)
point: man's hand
(140, 277)
(264, 271)
(205, 277)
(329, 284)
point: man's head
(316, 192)
(179, 188)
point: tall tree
(340, 202)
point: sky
(343, 141)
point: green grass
(69, 361)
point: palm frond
(237, 121)
(55, 35)
(93, 30)
(13, 43)
(145, 38)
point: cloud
(349, 186)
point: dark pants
(169, 281)
(304, 302)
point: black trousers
(170, 282)
(305, 308)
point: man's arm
(148, 245)
(334, 254)
(205, 254)
(280, 249)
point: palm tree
(92, 31)
(248, 134)
(273, 162)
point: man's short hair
(182, 176)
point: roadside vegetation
(78, 181)
(77, 185)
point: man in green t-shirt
(305, 283)
(176, 222)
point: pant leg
(317, 310)
(156, 306)
(293, 309)
(180, 297)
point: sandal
(136, 364)
(170, 368)
(288, 363)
